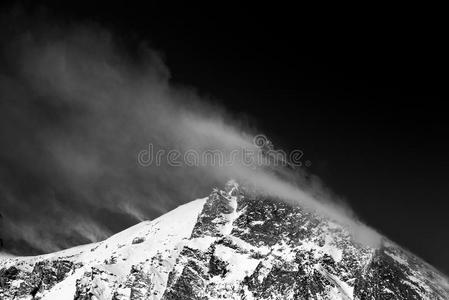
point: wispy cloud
(76, 108)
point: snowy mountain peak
(229, 245)
(232, 187)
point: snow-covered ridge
(229, 245)
(163, 237)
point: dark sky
(359, 89)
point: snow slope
(163, 237)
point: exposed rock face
(20, 283)
(228, 246)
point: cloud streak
(76, 108)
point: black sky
(359, 89)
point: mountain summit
(230, 245)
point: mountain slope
(229, 245)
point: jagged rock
(95, 283)
(138, 240)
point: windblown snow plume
(95, 137)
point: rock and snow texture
(119, 267)
(230, 245)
